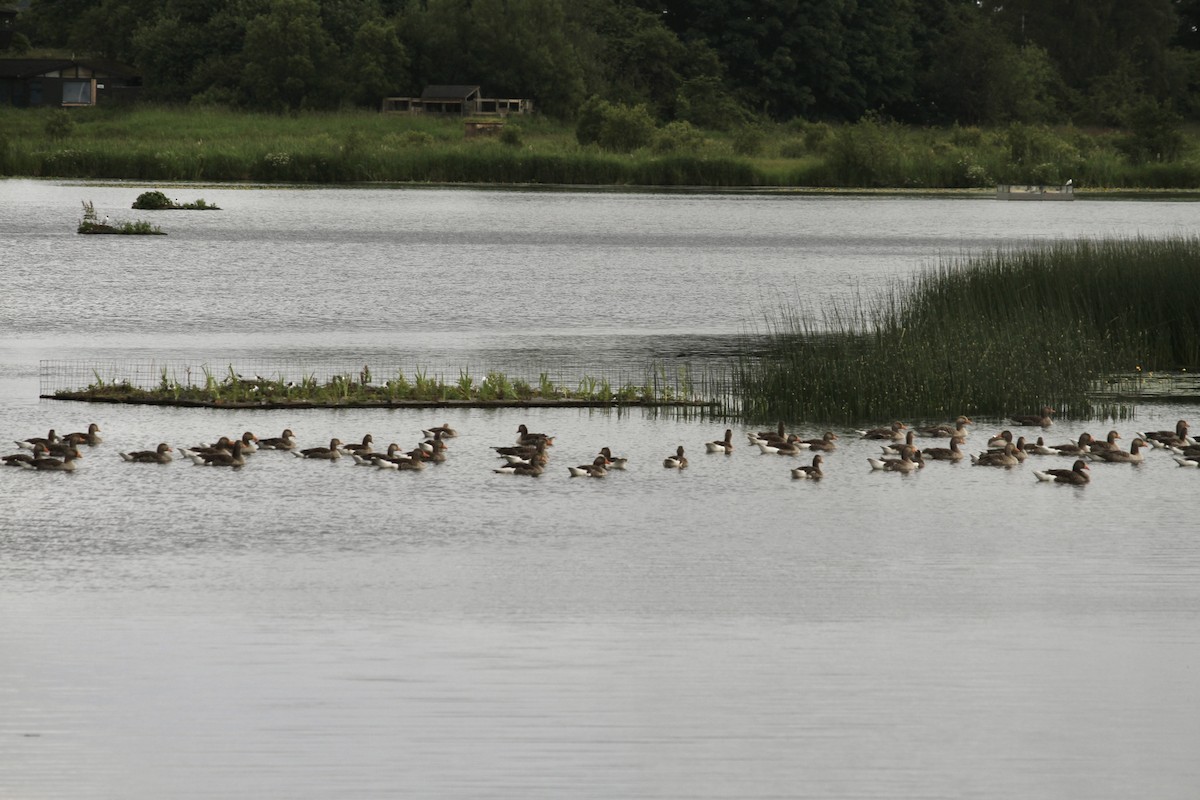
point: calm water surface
(305, 629)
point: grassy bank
(192, 144)
(999, 334)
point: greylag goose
(892, 432)
(531, 470)
(792, 447)
(1041, 448)
(779, 434)
(367, 459)
(1177, 438)
(221, 458)
(160, 455)
(444, 429)
(721, 445)
(998, 458)
(907, 462)
(614, 462)
(596, 469)
(951, 453)
(1078, 448)
(525, 437)
(330, 453)
(958, 428)
(1041, 420)
(1077, 475)
(900, 449)
(811, 473)
(224, 443)
(1133, 456)
(285, 441)
(362, 448)
(66, 464)
(1109, 443)
(91, 438)
(677, 461)
(825, 444)
(17, 459)
(32, 441)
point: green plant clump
(996, 334)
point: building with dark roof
(66, 82)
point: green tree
(378, 62)
(289, 59)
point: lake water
(312, 630)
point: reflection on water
(306, 629)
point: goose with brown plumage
(907, 462)
(91, 438)
(721, 445)
(1133, 456)
(284, 441)
(951, 453)
(810, 473)
(1077, 475)
(331, 453)
(998, 458)
(957, 429)
(159, 455)
(33, 441)
(234, 457)
(1042, 420)
(891, 432)
(677, 461)
(65, 464)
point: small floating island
(361, 391)
(91, 224)
(157, 201)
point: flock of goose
(529, 456)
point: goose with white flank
(444, 429)
(1177, 438)
(1042, 420)
(284, 441)
(792, 447)
(159, 455)
(721, 445)
(234, 458)
(65, 464)
(1133, 456)
(811, 473)
(951, 453)
(1077, 475)
(677, 461)
(957, 429)
(891, 432)
(1076, 448)
(907, 462)
(825, 444)
(998, 458)
(331, 453)
(597, 469)
(17, 459)
(33, 441)
(91, 438)
(524, 436)
(614, 462)
(1108, 443)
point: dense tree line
(710, 62)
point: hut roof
(449, 92)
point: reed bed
(1002, 333)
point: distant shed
(66, 82)
(465, 101)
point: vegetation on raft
(1080, 325)
(348, 390)
(90, 224)
(612, 145)
(157, 201)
